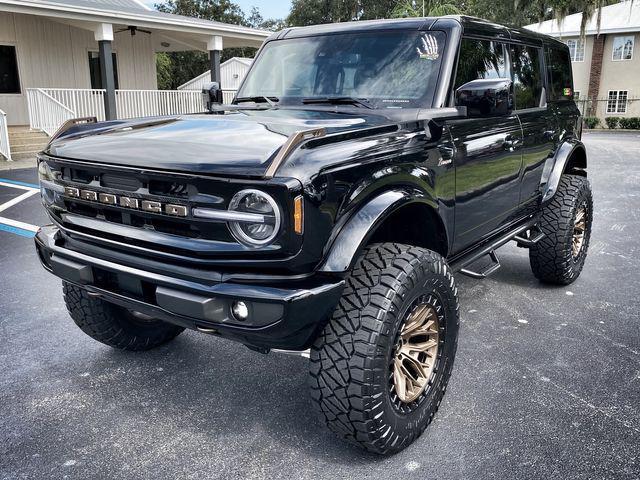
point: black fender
(557, 165)
(351, 235)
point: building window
(617, 101)
(96, 72)
(576, 49)
(623, 48)
(576, 95)
(9, 78)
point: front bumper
(285, 315)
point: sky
(268, 8)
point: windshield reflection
(385, 69)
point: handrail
(45, 112)
(49, 108)
(63, 106)
(5, 148)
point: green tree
(425, 8)
(176, 68)
(314, 12)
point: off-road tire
(350, 360)
(552, 259)
(113, 325)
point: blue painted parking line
(17, 231)
(22, 184)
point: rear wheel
(566, 222)
(381, 366)
(114, 325)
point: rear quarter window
(560, 77)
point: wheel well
(577, 163)
(414, 224)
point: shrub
(630, 123)
(624, 122)
(612, 122)
(591, 122)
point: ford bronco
(327, 207)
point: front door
(488, 157)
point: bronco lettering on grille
(127, 202)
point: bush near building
(627, 123)
(591, 122)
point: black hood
(236, 143)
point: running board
(458, 264)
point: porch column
(104, 36)
(214, 45)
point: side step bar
(495, 265)
(532, 236)
(518, 234)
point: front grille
(213, 237)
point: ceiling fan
(133, 29)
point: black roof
(469, 25)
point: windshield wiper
(259, 99)
(360, 102)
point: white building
(232, 72)
(54, 60)
(606, 69)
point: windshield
(387, 69)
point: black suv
(359, 166)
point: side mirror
(211, 95)
(486, 97)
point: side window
(9, 79)
(527, 76)
(480, 59)
(560, 79)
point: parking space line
(18, 199)
(17, 231)
(18, 224)
(16, 184)
(14, 226)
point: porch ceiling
(169, 32)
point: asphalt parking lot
(546, 382)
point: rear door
(488, 151)
(539, 126)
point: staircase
(25, 143)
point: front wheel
(381, 365)
(566, 223)
(113, 325)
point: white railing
(45, 112)
(129, 103)
(227, 95)
(5, 150)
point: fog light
(240, 310)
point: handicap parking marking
(6, 182)
(14, 226)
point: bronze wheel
(416, 352)
(579, 228)
(397, 320)
(559, 256)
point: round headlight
(262, 220)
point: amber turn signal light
(297, 215)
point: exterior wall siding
(615, 75)
(55, 55)
(620, 75)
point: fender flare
(354, 231)
(551, 175)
